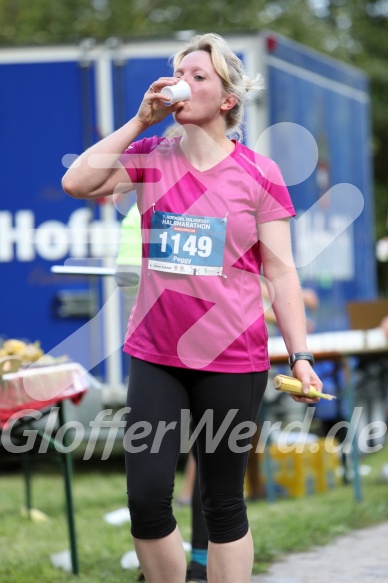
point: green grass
(282, 527)
(299, 524)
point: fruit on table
(27, 352)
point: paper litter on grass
(117, 517)
(130, 560)
(62, 560)
(34, 514)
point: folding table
(32, 393)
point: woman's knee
(151, 512)
(225, 517)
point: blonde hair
(231, 71)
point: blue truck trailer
(313, 119)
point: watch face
(300, 356)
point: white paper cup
(179, 92)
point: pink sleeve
(137, 161)
(274, 201)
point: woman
(213, 214)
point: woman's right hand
(153, 109)
(90, 179)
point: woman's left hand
(303, 371)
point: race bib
(187, 244)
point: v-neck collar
(216, 168)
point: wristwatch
(300, 356)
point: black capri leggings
(156, 397)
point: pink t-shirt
(184, 317)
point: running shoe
(140, 576)
(196, 573)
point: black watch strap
(300, 356)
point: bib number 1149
(193, 245)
